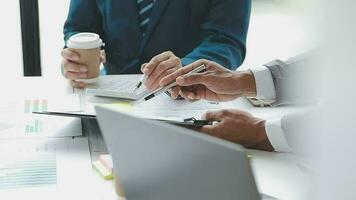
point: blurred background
(277, 30)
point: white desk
(277, 174)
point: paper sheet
(46, 169)
(36, 126)
(161, 107)
(119, 83)
(17, 120)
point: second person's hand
(216, 84)
(72, 70)
(159, 67)
(239, 127)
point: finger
(156, 84)
(70, 55)
(193, 93)
(212, 130)
(143, 66)
(172, 77)
(162, 70)
(76, 84)
(103, 56)
(215, 115)
(75, 76)
(188, 95)
(74, 67)
(155, 61)
(175, 92)
(196, 79)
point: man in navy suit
(136, 32)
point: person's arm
(280, 81)
(286, 77)
(83, 16)
(225, 27)
(265, 89)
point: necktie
(145, 8)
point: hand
(159, 67)
(216, 84)
(72, 70)
(238, 127)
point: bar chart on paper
(36, 126)
(28, 171)
(36, 105)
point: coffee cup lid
(84, 41)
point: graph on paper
(27, 171)
(35, 126)
(36, 105)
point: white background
(11, 44)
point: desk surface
(277, 174)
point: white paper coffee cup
(88, 46)
(84, 41)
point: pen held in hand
(162, 90)
(140, 83)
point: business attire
(134, 31)
(278, 82)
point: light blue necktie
(145, 8)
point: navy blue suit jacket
(191, 29)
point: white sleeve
(264, 83)
(276, 136)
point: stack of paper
(45, 169)
(42, 157)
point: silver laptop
(159, 161)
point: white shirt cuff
(264, 83)
(276, 136)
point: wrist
(263, 142)
(245, 81)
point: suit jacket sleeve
(225, 27)
(83, 16)
(293, 80)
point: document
(117, 86)
(33, 126)
(46, 169)
(18, 121)
(165, 108)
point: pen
(174, 83)
(140, 83)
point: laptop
(160, 161)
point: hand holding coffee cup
(82, 59)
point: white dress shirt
(266, 91)
(264, 83)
